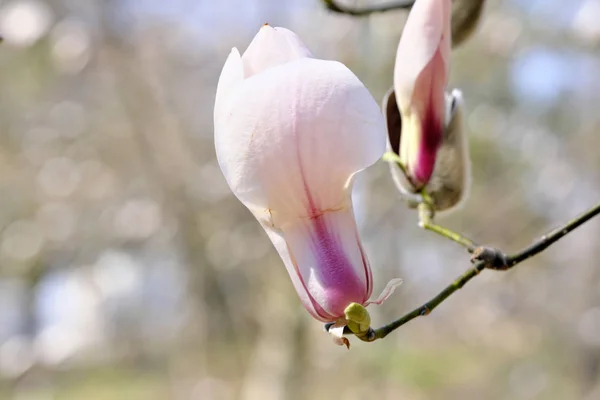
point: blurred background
(129, 271)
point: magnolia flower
(291, 131)
(424, 122)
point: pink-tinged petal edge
(429, 106)
(427, 31)
(386, 293)
(270, 47)
(329, 261)
(310, 112)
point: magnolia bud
(449, 182)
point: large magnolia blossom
(290, 133)
(423, 120)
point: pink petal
(427, 31)
(305, 124)
(420, 79)
(386, 293)
(328, 257)
(423, 137)
(271, 47)
(278, 241)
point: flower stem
(426, 214)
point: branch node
(369, 336)
(491, 257)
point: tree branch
(552, 237)
(485, 258)
(333, 5)
(428, 307)
(465, 14)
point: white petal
(231, 77)
(276, 237)
(337, 334)
(296, 135)
(271, 47)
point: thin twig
(552, 237)
(333, 5)
(426, 213)
(452, 235)
(428, 307)
(535, 248)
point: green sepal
(358, 318)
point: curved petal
(393, 121)
(424, 123)
(427, 32)
(231, 77)
(325, 260)
(296, 135)
(387, 291)
(276, 236)
(271, 47)
(329, 258)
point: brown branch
(465, 14)
(334, 6)
(489, 262)
(552, 237)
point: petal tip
(337, 334)
(387, 291)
